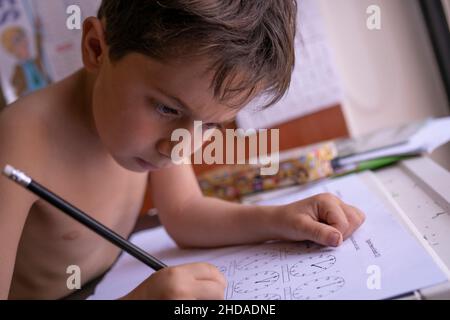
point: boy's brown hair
(250, 42)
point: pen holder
(232, 182)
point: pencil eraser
(8, 171)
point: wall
(390, 75)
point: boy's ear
(94, 48)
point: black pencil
(108, 234)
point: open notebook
(383, 259)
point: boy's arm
(197, 221)
(15, 203)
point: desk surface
(421, 189)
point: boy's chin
(131, 164)
(145, 166)
(139, 165)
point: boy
(150, 67)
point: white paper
(434, 133)
(62, 45)
(315, 84)
(45, 50)
(16, 50)
(303, 270)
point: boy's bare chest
(51, 241)
(113, 201)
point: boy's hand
(324, 219)
(199, 281)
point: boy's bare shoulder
(21, 117)
(19, 123)
(24, 132)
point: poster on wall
(315, 82)
(36, 45)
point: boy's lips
(146, 165)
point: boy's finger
(320, 233)
(355, 218)
(209, 290)
(334, 215)
(361, 214)
(206, 271)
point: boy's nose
(165, 147)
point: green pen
(368, 165)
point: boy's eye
(167, 111)
(208, 126)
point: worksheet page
(315, 83)
(382, 259)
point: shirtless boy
(149, 68)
